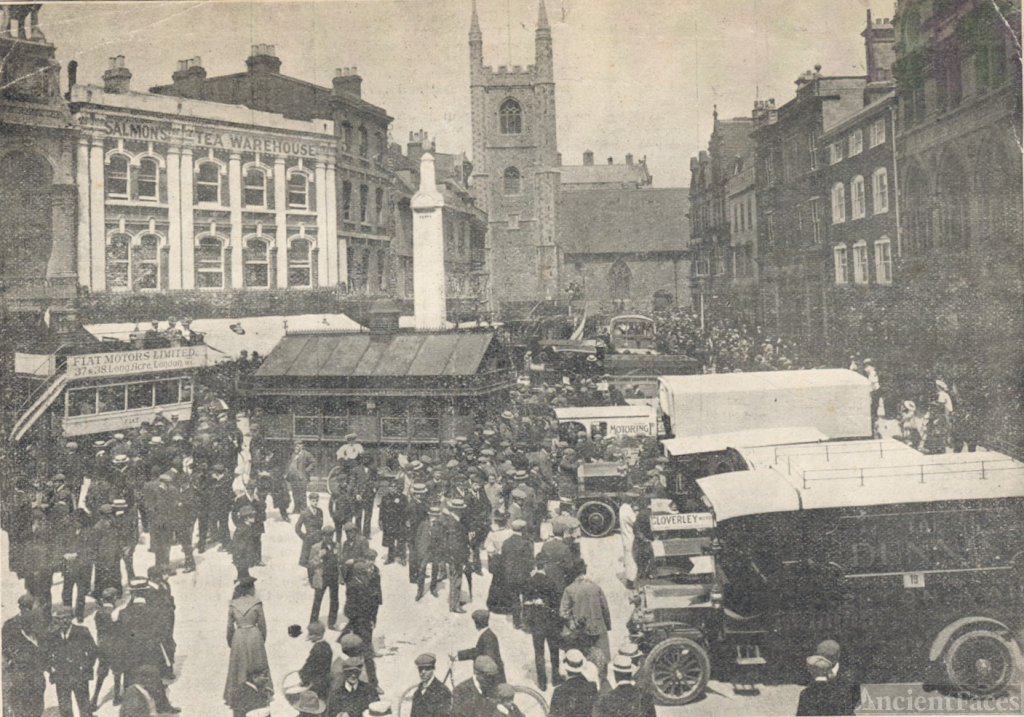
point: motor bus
(913, 563)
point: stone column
(281, 219)
(235, 204)
(97, 217)
(429, 295)
(323, 274)
(330, 232)
(61, 264)
(188, 239)
(173, 217)
(84, 244)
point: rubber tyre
(678, 670)
(966, 671)
(597, 518)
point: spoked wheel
(980, 663)
(678, 670)
(596, 518)
(530, 702)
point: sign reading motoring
(123, 363)
(200, 136)
(682, 521)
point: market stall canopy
(261, 333)
(363, 354)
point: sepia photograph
(344, 372)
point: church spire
(474, 23)
(542, 17)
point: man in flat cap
(842, 675)
(486, 644)
(316, 672)
(517, 561)
(71, 657)
(431, 698)
(415, 513)
(430, 551)
(25, 659)
(472, 698)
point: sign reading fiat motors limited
(124, 363)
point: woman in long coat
(247, 633)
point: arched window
(378, 205)
(254, 188)
(209, 263)
(118, 267)
(208, 183)
(512, 181)
(883, 261)
(346, 137)
(839, 262)
(300, 265)
(858, 199)
(146, 263)
(860, 262)
(116, 177)
(618, 280)
(256, 260)
(364, 200)
(382, 262)
(381, 147)
(346, 200)
(917, 219)
(149, 180)
(838, 203)
(511, 114)
(298, 191)
(364, 142)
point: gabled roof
(635, 221)
(605, 174)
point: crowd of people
(80, 512)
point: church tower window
(511, 114)
(512, 185)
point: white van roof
(569, 413)
(761, 381)
(934, 478)
(755, 437)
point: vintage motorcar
(602, 487)
(913, 563)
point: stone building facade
(515, 172)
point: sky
(631, 76)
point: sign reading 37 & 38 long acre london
(123, 363)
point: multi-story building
(363, 180)
(720, 267)
(958, 76)
(863, 233)
(212, 202)
(794, 261)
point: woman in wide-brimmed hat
(247, 633)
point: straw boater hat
(574, 661)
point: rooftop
(609, 221)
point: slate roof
(361, 354)
(603, 221)
(603, 173)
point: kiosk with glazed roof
(913, 563)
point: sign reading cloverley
(124, 363)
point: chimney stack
(348, 81)
(263, 59)
(430, 298)
(588, 158)
(189, 77)
(611, 161)
(117, 79)
(629, 159)
(419, 142)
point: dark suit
(71, 661)
(541, 602)
(354, 703)
(626, 700)
(573, 698)
(434, 701)
(486, 644)
(517, 562)
(308, 527)
(24, 663)
(316, 673)
(468, 702)
(823, 699)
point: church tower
(515, 169)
